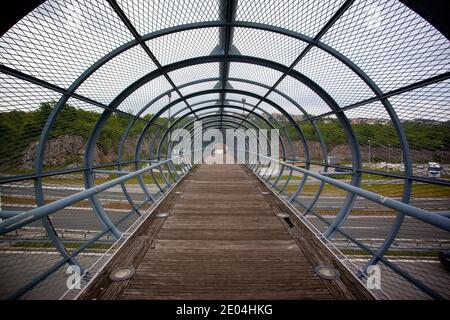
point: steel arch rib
(88, 158)
(204, 117)
(213, 124)
(317, 89)
(160, 33)
(252, 112)
(300, 77)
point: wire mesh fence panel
(320, 222)
(254, 72)
(116, 75)
(330, 201)
(61, 185)
(431, 197)
(390, 42)
(18, 267)
(78, 217)
(338, 80)
(435, 199)
(425, 119)
(421, 236)
(93, 90)
(368, 229)
(109, 137)
(155, 105)
(195, 72)
(393, 285)
(115, 202)
(284, 140)
(130, 138)
(308, 18)
(151, 143)
(134, 189)
(165, 14)
(59, 40)
(252, 88)
(250, 101)
(209, 85)
(182, 45)
(24, 108)
(139, 98)
(271, 114)
(420, 262)
(267, 45)
(38, 266)
(203, 97)
(55, 285)
(335, 142)
(384, 186)
(379, 143)
(307, 195)
(69, 134)
(310, 101)
(18, 197)
(295, 111)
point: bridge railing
(82, 235)
(370, 229)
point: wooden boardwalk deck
(222, 240)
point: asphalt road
(375, 226)
(17, 268)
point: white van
(434, 170)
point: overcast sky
(390, 43)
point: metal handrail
(438, 219)
(27, 217)
(429, 217)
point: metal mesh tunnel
(91, 92)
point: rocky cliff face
(315, 151)
(68, 151)
(62, 150)
(377, 153)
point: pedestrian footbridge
(336, 175)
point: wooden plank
(222, 240)
(347, 287)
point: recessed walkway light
(122, 273)
(282, 215)
(162, 215)
(327, 272)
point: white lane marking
(400, 260)
(49, 253)
(371, 228)
(66, 208)
(52, 187)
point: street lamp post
(170, 98)
(168, 122)
(389, 157)
(368, 175)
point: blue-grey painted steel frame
(227, 23)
